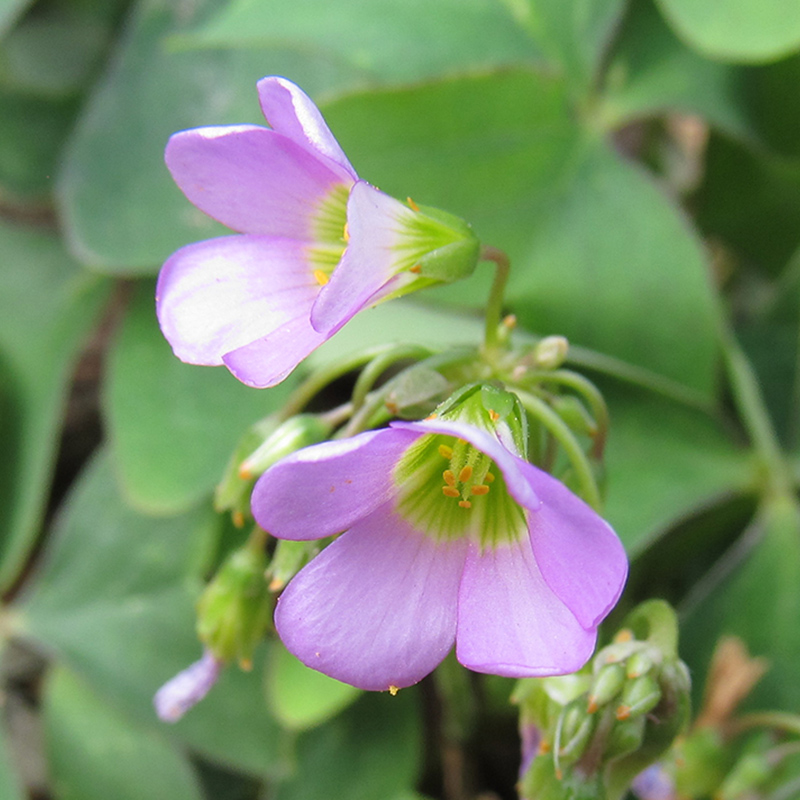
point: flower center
(329, 233)
(448, 489)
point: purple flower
(315, 245)
(449, 537)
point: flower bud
(234, 610)
(297, 432)
(550, 352)
(288, 559)
(573, 731)
(639, 696)
(233, 491)
(607, 684)
(416, 392)
(626, 737)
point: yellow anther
(480, 489)
(393, 690)
(493, 415)
(465, 474)
(489, 477)
(449, 478)
(416, 269)
(449, 491)
(320, 277)
(465, 504)
(624, 635)
(238, 519)
(445, 451)
(346, 233)
(412, 204)
(622, 713)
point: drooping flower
(450, 536)
(315, 245)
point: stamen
(412, 204)
(416, 269)
(465, 504)
(449, 491)
(346, 233)
(449, 478)
(320, 277)
(465, 474)
(445, 451)
(480, 489)
(493, 415)
(393, 690)
(489, 477)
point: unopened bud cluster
(599, 728)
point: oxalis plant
(454, 462)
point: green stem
(320, 378)
(559, 429)
(494, 305)
(779, 720)
(588, 391)
(752, 410)
(370, 374)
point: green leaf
(573, 34)
(598, 253)
(371, 750)
(659, 474)
(10, 10)
(120, 207)
(651, 72)
(753, 594)
(32, 134)
(612, 265)
(52, 52)
(380, 40)
(750, 199)
(301, 697)
(768, 98)
(172, 426)
(95, 753)
(737, 30)
(114, 600)
(49, 306)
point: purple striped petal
(219, 295)
(367, 271)
(290, 111)
(377, 608)
(324, 489)
(252, 179)
(578, 553)
(510, 622)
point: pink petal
(510, 622)
(324, 489)
(377, 608)
(579, 554)
(290, 111)
(517, 472)
(367, 271)
(252, 179)
(219, 295)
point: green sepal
(234, 611)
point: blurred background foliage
(640, 163)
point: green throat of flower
(450, 489)
(329, 233)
